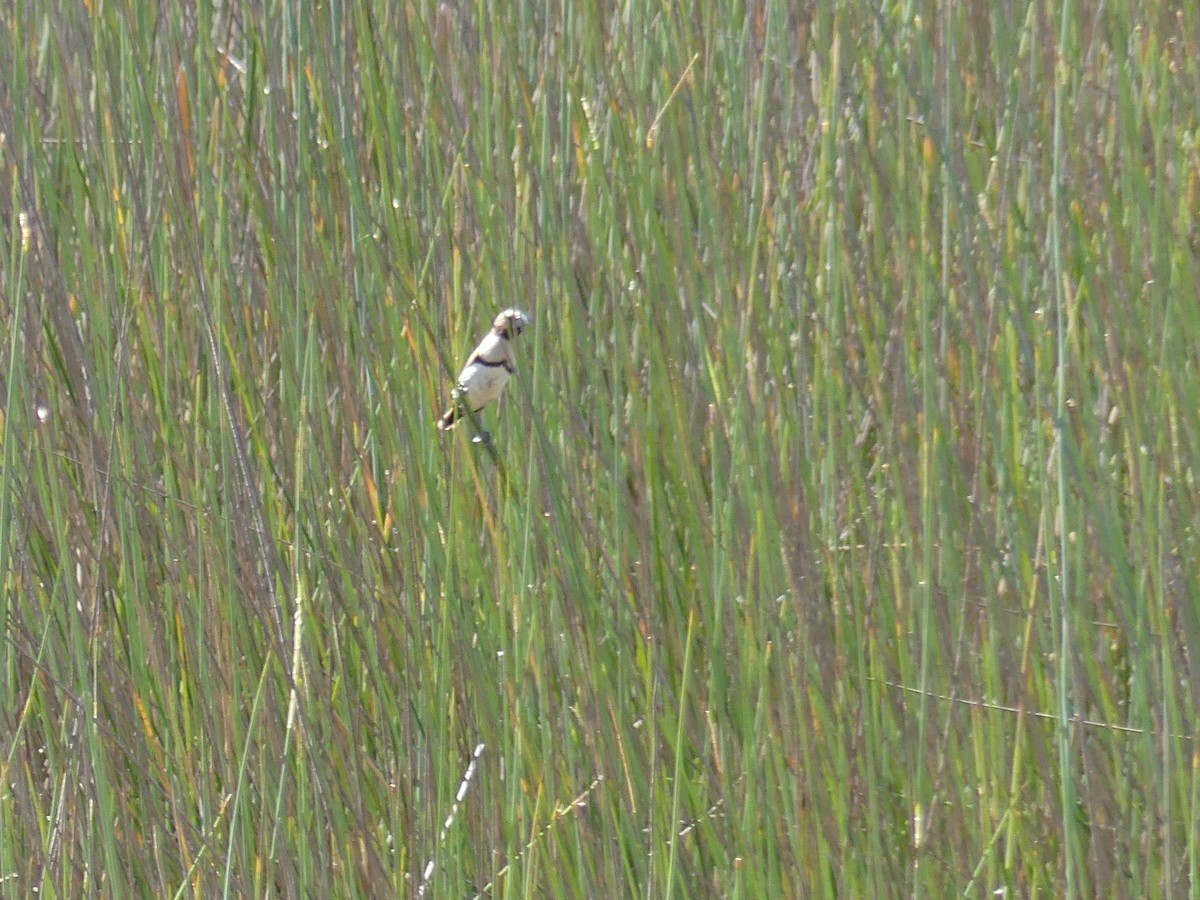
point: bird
(487, 370)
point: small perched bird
(487, 369)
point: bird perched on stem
(487, 369)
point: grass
(838, 536)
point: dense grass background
(840, 537)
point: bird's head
(511, 322)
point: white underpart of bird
(487, 371)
